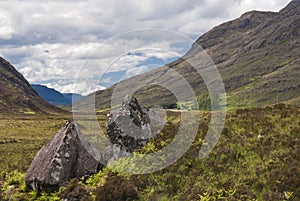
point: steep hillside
(17, 96)
(257, 56)
(55, 97)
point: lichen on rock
(64, 157)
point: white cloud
(59, 41)
(6, 29)
(135, 71)
(82, 87)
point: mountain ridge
(256, 54)
(55, 97)
(17, 96)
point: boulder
(66, 156)
(129, 128)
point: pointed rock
(66, 156)
(129, 128)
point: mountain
(257, 55)
(55, 97)
(17, 96)
(72, 97)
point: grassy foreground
(22, 136)
(242, 166)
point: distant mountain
(17, 96)
(72, 97)
(257, 55)
(54, 97)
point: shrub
(75, 191)
(116, 188)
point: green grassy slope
(22, 136)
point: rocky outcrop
(67, 155)
(129, 128)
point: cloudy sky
(84, 45)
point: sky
(81, 46)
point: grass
(22, 136)
(242, 166)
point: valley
(255, 158)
